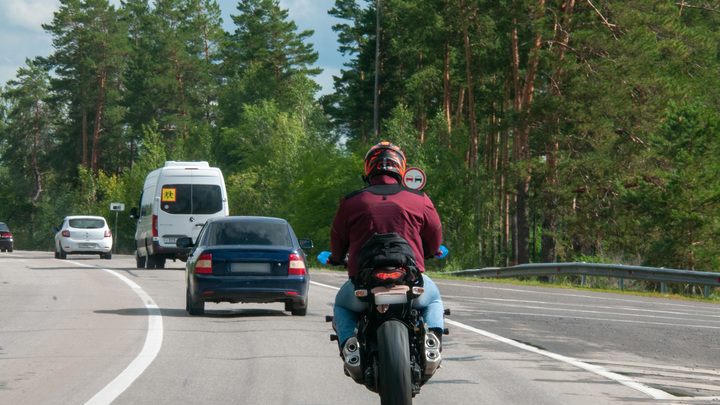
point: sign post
(414, 178)
(116, 207)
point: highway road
(92, 331)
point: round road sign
(414, 178)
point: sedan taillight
(108, 234)
(66, 233)
(7, 235)
(297, 265)
(204, 264)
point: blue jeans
(348, 307)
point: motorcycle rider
(384, 206)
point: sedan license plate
(86, 245)
(250, 268)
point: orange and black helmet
(385, 158)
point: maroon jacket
(383, 207)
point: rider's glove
(331, 261)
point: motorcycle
(393, 353)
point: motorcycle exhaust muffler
(351, 354)
(433, 358)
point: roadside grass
(599, 284)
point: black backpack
(388, 250)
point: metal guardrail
(662, 275)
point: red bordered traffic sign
(414, 178)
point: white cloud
(19, 43)
(27, 14)
(306, 9)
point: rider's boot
(438, 332)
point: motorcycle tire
(395, 384)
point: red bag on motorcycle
(387, 258)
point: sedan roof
(248, 218)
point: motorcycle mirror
(442, 252)
(323, 257)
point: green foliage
(682, 205)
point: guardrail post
(620, 284)
(663, 287)
(582, 280)
(707, 291)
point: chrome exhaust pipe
(433, 358)
(351, 354)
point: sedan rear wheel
(192, 306)
(300, 309)
(62, 254)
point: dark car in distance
(247, 259)
(6, 238)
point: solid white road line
(150, 350)
(601, 371)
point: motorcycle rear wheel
(395, 385)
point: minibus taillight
(154, 226)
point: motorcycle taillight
(389, 274)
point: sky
(22, 36)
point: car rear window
(191, 199)
(87, 223)
(4, 228)
(250, 233)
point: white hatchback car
(83, 235)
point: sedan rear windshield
(191, 199)
(87, 223)
(250, 233)
(4, 228)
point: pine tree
(91, 49)
(28, 133)
(262, 56)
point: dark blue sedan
(247, 259)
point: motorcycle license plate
(386, 299)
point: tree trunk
(472, 163)
(461, 103)
(376, 95)
(446, 89)
(84, 130)
(181, 93)
(33, 158)
(550, 200)
(95, 160)
(522, 147)
(446, 81)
